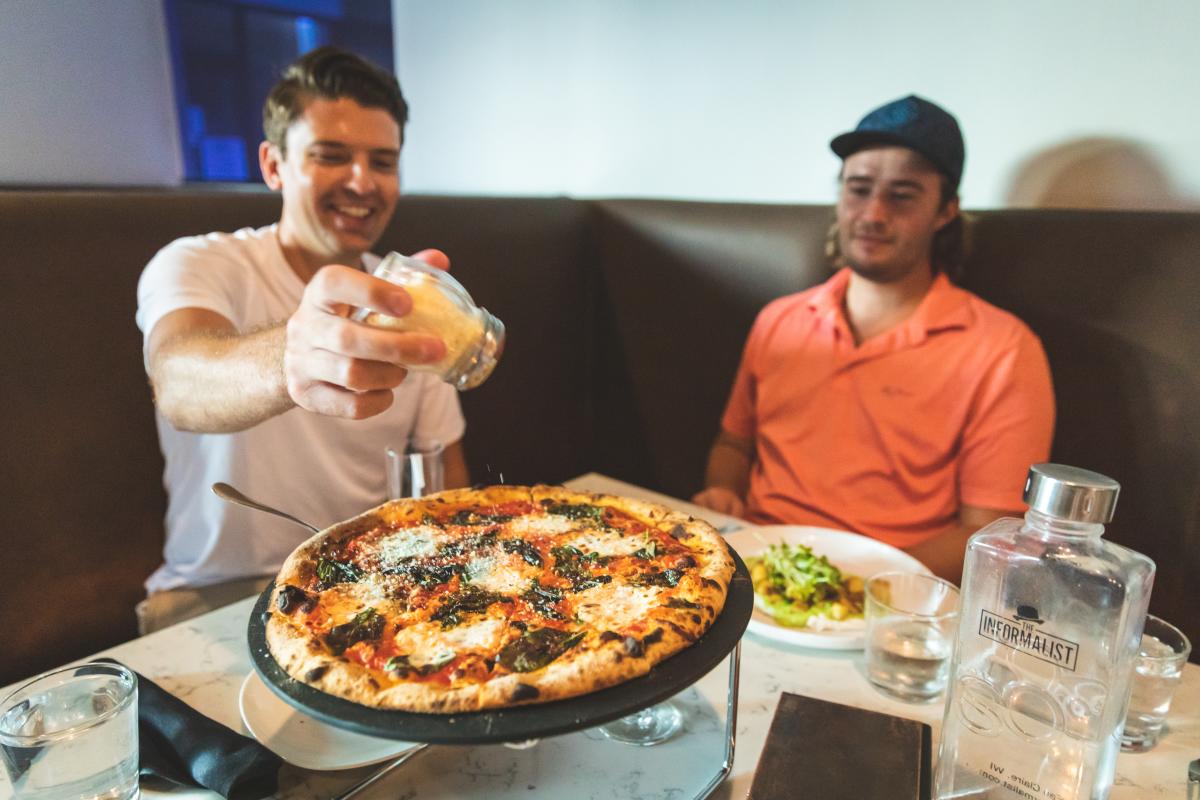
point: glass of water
(415, 471)
(1157, 671)
(72, 734)
(911, 623)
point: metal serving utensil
(379, 773)
(232, 495)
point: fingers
(721, 500)
(333, 401)
(335, 289)
(340, 367)
(345, 337)
(355, 374)
(434, 258)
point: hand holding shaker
(1051, 620)
(474, 338)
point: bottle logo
(1020, 632)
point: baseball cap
(912, 122)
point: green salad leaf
(796, 584)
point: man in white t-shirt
(260, 379)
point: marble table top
(204, 661)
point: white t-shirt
(319, 469)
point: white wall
(85, 93)
(1063, 102)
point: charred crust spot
(374, 683)
(316, 673)
(696, 618)
(685, 562)
(684, 632)
(516, 623)
(710, 582)
(633, 647)
(524, 691)
(290, 597)
(308, 605)
(680, 532)
(708, 609)
(609, 636)
(618, 658)
(653, 636)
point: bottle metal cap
(1071, 493)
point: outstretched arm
(727, 477)
(209, 378)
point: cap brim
(850, 143)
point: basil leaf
(366, 625)
(537, 648)
(332, 572)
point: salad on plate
(801, 589)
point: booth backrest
(625, 320)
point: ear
(269, 159)
(947, 213)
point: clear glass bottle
(474, 338)
(1051, 619)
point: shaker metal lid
(1071, 493)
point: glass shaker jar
(1051, 620)
(441, 306)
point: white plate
(852, 553)
(303, 741)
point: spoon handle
(232, 495)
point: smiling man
(887, 401)
(260, 378)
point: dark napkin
(179, 744)
(837, 752)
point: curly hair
(331, 73)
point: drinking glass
(415, 472)
(72, 734)
(649, 726)
(911, 622)
(1157, 671)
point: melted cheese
(612, 606)
(606, 544)
(426, 642)
(503, 573)
(409, 542)
(550, 525)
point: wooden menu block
(830, 751)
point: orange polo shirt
(889, 438)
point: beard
(892, 268)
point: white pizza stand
(205, 661)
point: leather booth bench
(625, 318)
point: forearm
(944, 553)
(729, 464)
(221, 382)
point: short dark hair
(331, 73)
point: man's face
(889, 208)
(340, 178)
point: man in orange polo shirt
(887, 400)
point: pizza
(489, 598)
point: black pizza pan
(520, 723)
